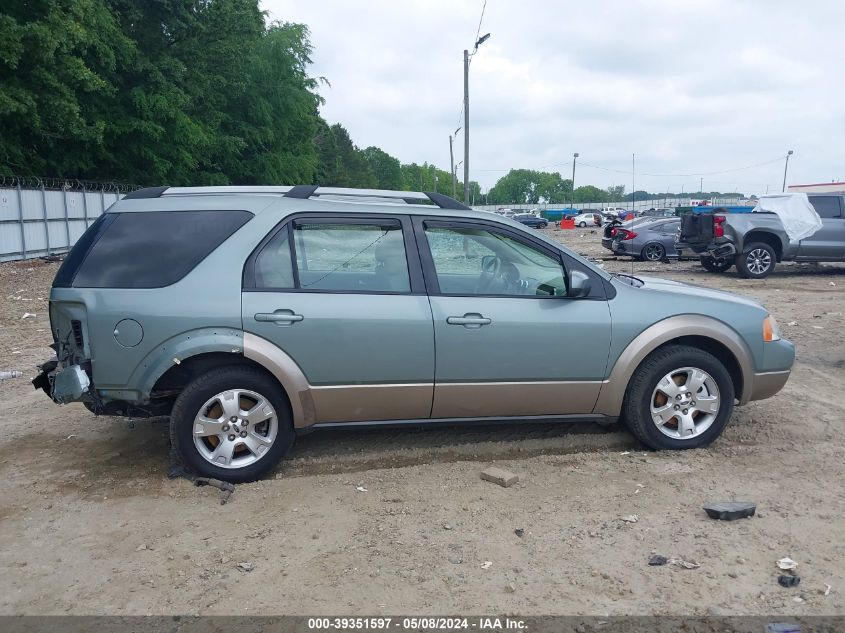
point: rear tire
(678, 370)
(241, 409)
(712, 265)
(653, 252)
(757, 261)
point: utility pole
(574, 157)
(785, 167)
(634, 183)
(478, 42)
(466, 127)
(453, 170)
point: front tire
(582, 225)
(712, 265)
(757, 261)
(680, 397)
(232, 423)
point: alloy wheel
(235, 428)
(654, 252)
(685, 403)
(758, 261)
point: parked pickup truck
(756, 242)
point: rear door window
(827, 206)
(351, 257)
(151, 249)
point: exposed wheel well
(718, 350)
(767, 238)
(175, 379)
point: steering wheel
(490, 270)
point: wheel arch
(699, 331)
(766, 238)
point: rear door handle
(281, 317)
(469, 320)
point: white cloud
(691, 87)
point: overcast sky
(692, 87)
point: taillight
(627, 235)
(613, 232)
(718, 229)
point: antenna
(633, 198)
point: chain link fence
(40, 217)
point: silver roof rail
(309, 191)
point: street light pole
(574, 157)
(785, 166)
(480, 41)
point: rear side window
(151, 249)
(351, 257)
(826, 206)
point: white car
(585, 219)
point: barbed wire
(64, 184)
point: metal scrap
(226, 489)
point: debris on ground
(730, 510)
(686, 564)
(510, 588)
(783, 627)
(793, 323)
(827, 589)
(630, 518)
(499, 476)
(447, 526)
(8, 375)
(657, 560)
(789, 580)
(246, 566)
(142, 547)
(455, 560)
(520, 532)
(226, 489)
(787, 564)
(486, 564)
(361, 489)
(28, 315)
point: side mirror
(579, 284)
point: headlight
(771, 332)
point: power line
(477, 33)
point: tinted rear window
(826, 206)
(152, 249)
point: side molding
(611, 395)
(288, 373)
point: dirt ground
(89, 523)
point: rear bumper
(64, 384)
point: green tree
(340, 163)
(528, 186)
(386, 168)
(589, 193)
(616, 192)
(58, 64)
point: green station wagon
(250, 314)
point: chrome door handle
(470, 319)
(279, 316)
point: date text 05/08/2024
(415, 623)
